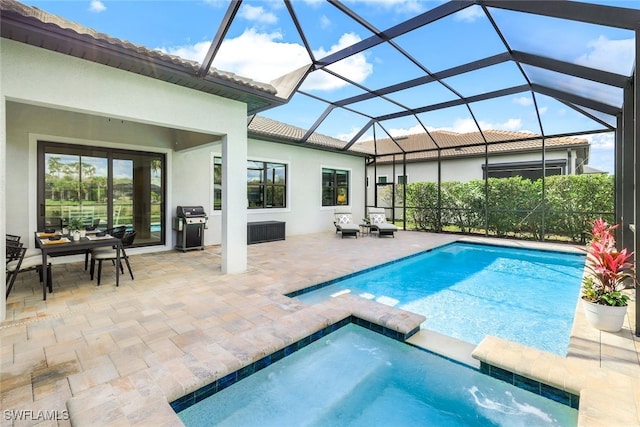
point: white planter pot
(604, 317)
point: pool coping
(467, 240)
(143, 398)
(602, 392)
(228, 380)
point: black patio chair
(102, 254)
(13, 238)
(18, 263)
(117, 232)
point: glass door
(138, 195)
(104, 187)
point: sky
(263, 44)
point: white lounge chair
(344, 223)
(379, 223)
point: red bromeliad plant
(609, 267)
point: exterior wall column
(234, 203)
(636, 182)
(3, 198)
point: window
(217, 183)
(335, 187)
(402, 179)
(266, 184)
(382, 180)
(527, 170)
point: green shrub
(514, 206)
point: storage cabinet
(265, 231)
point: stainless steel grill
(190, 223)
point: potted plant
(75, 225)
(608, 272)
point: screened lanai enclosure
(440, 82)
(418, 89)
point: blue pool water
(467, 291)
(357, 377)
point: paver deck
(115, 356)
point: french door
(93, 186)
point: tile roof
(262, 127)
(67, 37)
(453, 144)
(425, 146)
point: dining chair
(111, 254)
(13, 238)
(117, 232)
(20, 264)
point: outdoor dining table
(66, 245)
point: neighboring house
(462, 157)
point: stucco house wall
(59, 98)
(304, 213)
(462, 169)
(64, 99)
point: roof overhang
(37, 28)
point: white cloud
(395, 132)
(470, 14)
(97, 6)
(347, 136)
(355, 67)
(610, 55)
(525, 101)
(259, 56)
(324, 22)
(194, 52)
(543, 110)
(468, 125)
(217, 3)
(511, 124)
(601, 141)
(263, 57)
(257, 14)
(399, 6)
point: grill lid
(190, 212)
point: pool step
(443, 345)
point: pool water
(357, 377)
(467, 291)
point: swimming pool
(467, 291)
(357, 377)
